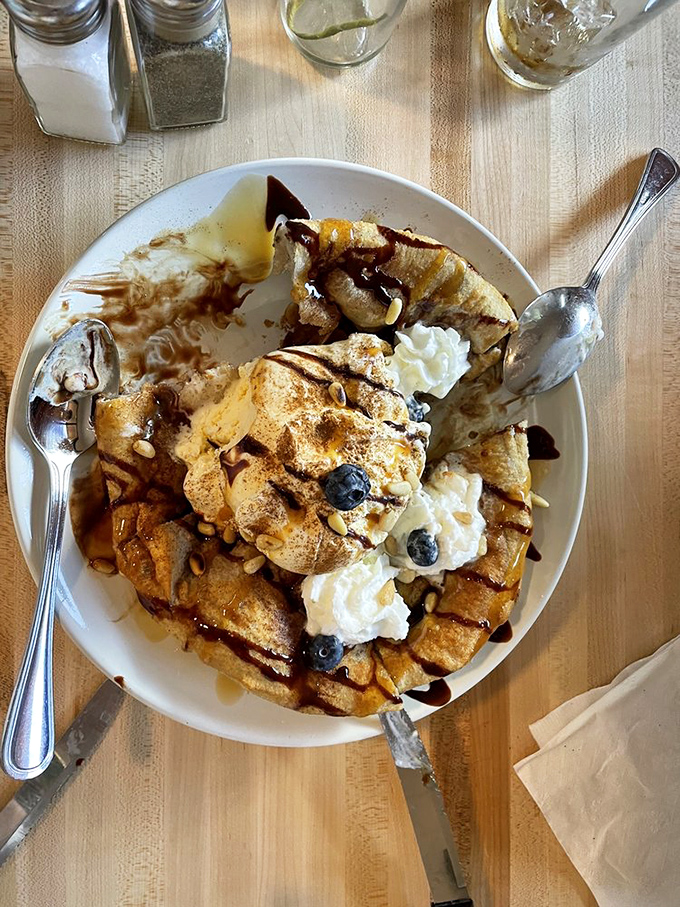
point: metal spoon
(559, 329)
(82, 363)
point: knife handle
(465, 902)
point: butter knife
(34, 797)
(426, 806)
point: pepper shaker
(70, 59)
(183, 50)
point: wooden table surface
(166, 816)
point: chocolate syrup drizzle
(438, 693)
(541, 444)
(314, 379)
(286, 495)
(366, 267)
(502, 633)
(281, 202)
(533, 554)
(298, 678)
(339, 371)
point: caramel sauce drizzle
(366, 266)
(298, 679)
(505, 496)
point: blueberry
(346, 487)
(416, 413)
(323, 653)
(422, 548)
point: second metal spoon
(559, 329)
(82, 363)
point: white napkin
(607, 779)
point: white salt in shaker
(70, 59)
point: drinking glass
(340, 32)
(542, 43)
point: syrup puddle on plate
(228, 691)
(150, 628)
(170, 302)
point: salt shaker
(70, 59)
(183, 50)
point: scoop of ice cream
(259, 458)
(356, 603)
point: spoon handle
(661, 171)
(28, 739)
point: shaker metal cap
(56, 21)
(176, 18)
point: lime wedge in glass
(297, 9)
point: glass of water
(542, 43)
(340, 32)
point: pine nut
(254, 564)
(102, 565)
(394, 311)
(463, 517)
(483, 547)
(391, 546)
(413, 480)
(205, 528)
(386, 594)
(229, 536)
(268, 541)
(144, 449)
(337, 392)
(197, 564)
(538, 501)
(387, 520)
(407, 576)
(337, 524)
(430, 602)
(399, 488)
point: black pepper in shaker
(183, 49)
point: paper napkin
(607, 780)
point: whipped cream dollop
(356, 603)
(428, 360)
(447, 506)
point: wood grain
(165, 816)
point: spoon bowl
(82, 364)
(557, 332)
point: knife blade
(426, 806)
(34, 797)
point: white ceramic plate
(156, 671)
